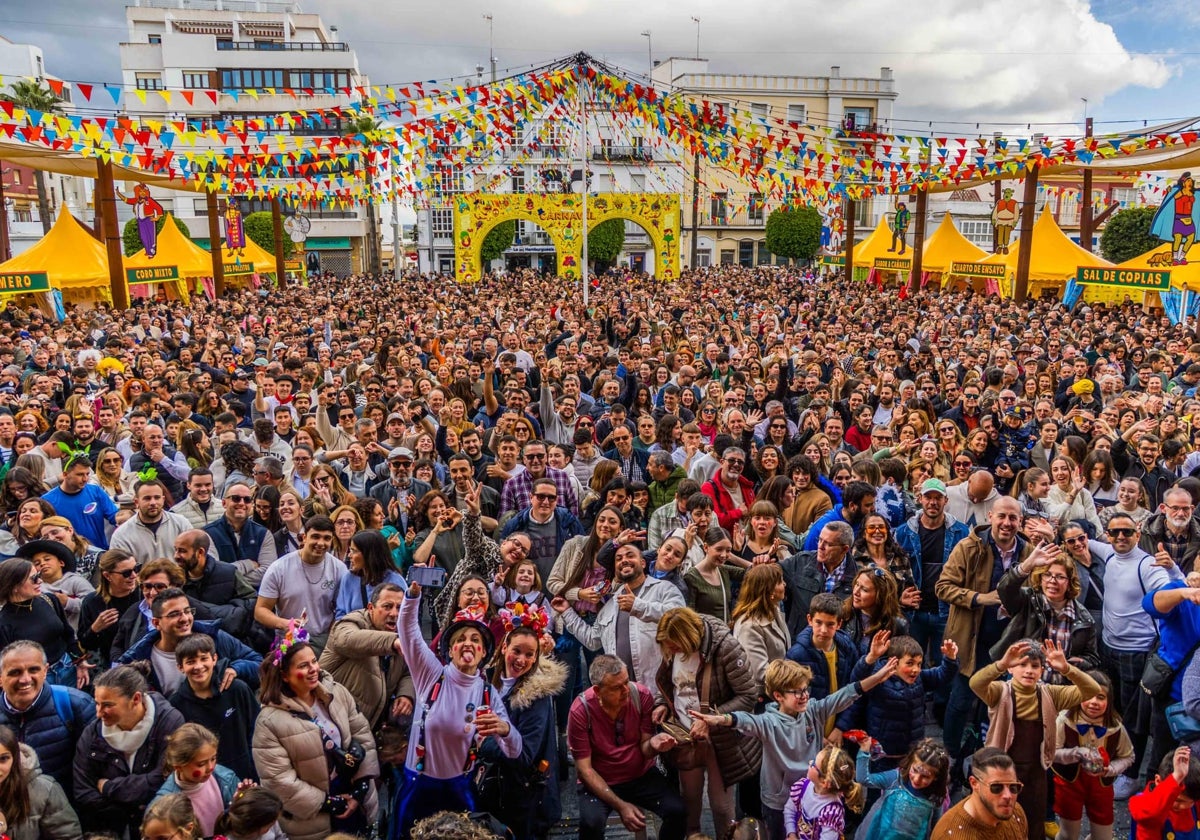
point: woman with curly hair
(30, 420)
(877, 547)
(19, 484)
(238, 459)
(873, 606)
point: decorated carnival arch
(561, 216)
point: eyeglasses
(153, 587)
(1082, 538)
(946, 431)
(36, 577)
(962, 465)
(1179, 508)
(127, 573)
(175, 615)
(535, 456)
(796, 692)
(970, 396)
(997, 788)
(1121, 532)
(1056, 577)
(349, 416)
(240, 499)
(546, 497)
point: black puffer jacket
(128, 790)
(731, 688)
(52, 738)
(1031, 615)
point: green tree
(794, 232)
(605, 242)
(367, 125)
(498, 241)
(260, 229)
(30, 94)
(1127, 234)
(133, 242)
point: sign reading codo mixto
(1129, 278)
(152, 274)
(21, 282)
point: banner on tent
(293, 265)
(893, 264)
(153, 274)
(1129, 278)
(235, 269)
(833, 259)
(20, 283)
(970, 269)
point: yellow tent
(262, 260)
(174, 249)
(74, 261)
(947, 246)
(1159, 259)
(875, 245)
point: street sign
(155, 274)
(970, 269)
(21, 282)
(1129, 278)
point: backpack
(62, 705)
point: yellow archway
(561, 217)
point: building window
(450, 181)
(758, 110)
(797, 113)
(857, 119)
(1125, 196)
(726, 256)
(518, 181)
(153, 39)
(195, 79)
(149, 81)
(224, 43)
(754, 211)
(758, 157)
(16, 178)
(764, 256)
(442, 222)
(746, 253)
(637, 183)
(717, 208)
(978, 231)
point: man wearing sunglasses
(238, 539)
(992, 809)
(1130, 633)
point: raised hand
(1056, 657)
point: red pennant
(188, 96)
(86, 90)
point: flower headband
(519, 614)
(295, 635)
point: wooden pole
(1085, 209)
(918, 258)
(849, 219)
(1025, 245)
(5, 250)
(277, 224)
(106, 196)
(214, 243)
(98, 230)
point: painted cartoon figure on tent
(235, 232)
(900, 227)
(1177, 218)
(147, 211)
(1004, 218)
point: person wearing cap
(1016, 437)
(928, 538)
(400, 493)
(442, 751)
(57, 564)
(85, 505)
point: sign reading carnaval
(970, 269)
(154, 274)
(560, 215)
(1130, 278)
(892, 264)
(20, 283)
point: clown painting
(147, 211)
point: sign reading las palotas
(1130, 278)
(20, 283)
(154, 274)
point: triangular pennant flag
(114, 92)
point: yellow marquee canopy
(947, 246)
(1159, 259)
(174, 249)
(876, 245)
(261, 259)
(1054, 256)
(68, 254)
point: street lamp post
(696, 20)
(5, 248)
(491, 44)
(649, 50)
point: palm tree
(30, 95)
(365, 125)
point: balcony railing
(280, 46)
(729, 219)
(638, 154)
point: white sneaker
(1125, 787)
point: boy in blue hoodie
(791, 729)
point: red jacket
(1151, 813)
(728, 514)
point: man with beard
(84, 429)
(151, 533)
(1173, 530)
(363, 654)
(200, 507)
(472, 444)
(968, 584)
(627, 625)
(992, 809)
(217, 584)
(173, 620)
(858, 502)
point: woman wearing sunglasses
(29, 615)
(100, 611)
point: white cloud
(954, 59)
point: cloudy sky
(955, 61)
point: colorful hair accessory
(147, 473)
(295, 635)
(109, 365)
(519, 614)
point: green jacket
(662, 492)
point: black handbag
(1157, 675)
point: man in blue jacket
(173, 621)
(548, 524)
(47, 718)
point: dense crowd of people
(338, 558)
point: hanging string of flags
(402, 141)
